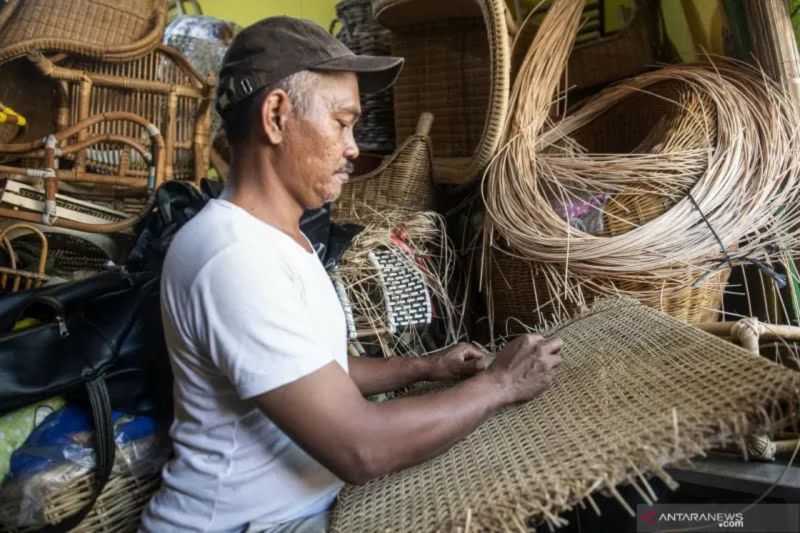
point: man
(270, 414)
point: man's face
(319, 143)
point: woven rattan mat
(636, 390)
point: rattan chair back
(457, 67)
(161, 87)
(110, 30)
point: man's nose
(351, 148)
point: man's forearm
(404, 432)
(373, 375)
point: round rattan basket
(402, 182)
(457, 67)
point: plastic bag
(59, 453)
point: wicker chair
(161, 87)
(110, 31)
(458, 67)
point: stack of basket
(363, 35)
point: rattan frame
(49, 150)
(179, 107)
(14, 276)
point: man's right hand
(525, 367)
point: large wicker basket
(111, 30)
(402, 182)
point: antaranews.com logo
(764, 518)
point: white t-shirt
(246, 309)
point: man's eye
(342, 123)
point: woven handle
(424, 124)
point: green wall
(246, 12)
(692, 25)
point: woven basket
(402, 182)
(111, 30)
(12, 278)
(457, 67)
(521, 294)
(117, 509)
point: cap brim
(375, 73)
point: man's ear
(275, 111)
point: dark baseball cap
(277, 47)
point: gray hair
(298, 86)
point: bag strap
(104, 451)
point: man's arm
(326, 414)
(373, 375)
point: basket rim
(139, 47)
(468, 169)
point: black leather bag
(99, 341)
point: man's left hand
(457, 362)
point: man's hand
(526, 366)
(457, 362)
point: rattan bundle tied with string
(730, 200)
(637, 391)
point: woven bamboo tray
(111, 30)
(457, 67)
(402, 182)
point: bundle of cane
(732, 194)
